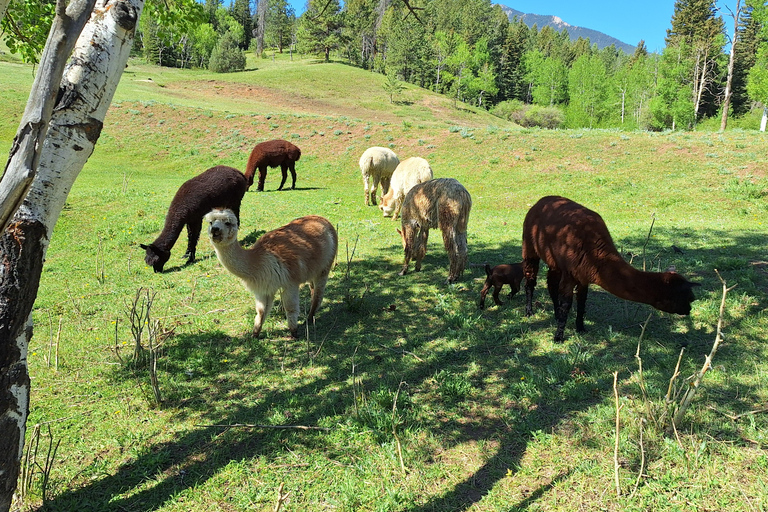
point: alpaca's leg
(530, 271)
(284, 170)
(264, 304)
(374, 187)
(262, 177)
(456, 246)
(581, 305)
(290, 300)
(193, 235)
(420, 248)
(483, 293)
(409, 240)
(553, 286)
(565, 300)
(292, 168)
(366, 180)
(385, 185)
(318, 289)
(496, 290)
(396, 208)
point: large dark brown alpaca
(575, 244)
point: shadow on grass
(221, 379)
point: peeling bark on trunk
(20, 267)
(82, 100)
(27, 145)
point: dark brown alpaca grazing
(218, 187)
(272, 153)
(497, 277)
(575, 244)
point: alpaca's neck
(170, 233)
(626, 282)
(250, 265)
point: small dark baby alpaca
(498, 276)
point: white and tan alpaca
(410, 172)
(302, 251)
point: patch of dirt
(278, 100)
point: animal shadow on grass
(216, 383)
(285, 189)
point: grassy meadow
(413, 398)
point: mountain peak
(595, 37)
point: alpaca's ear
(145, 247)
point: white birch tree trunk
(28, 143)
(85, 93)
(764, 120)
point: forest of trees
(471, 51)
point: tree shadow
(365, 337)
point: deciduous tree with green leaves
(587, 91)
(757, 79)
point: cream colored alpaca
(409, 172)
(377, 165)
(302, 251)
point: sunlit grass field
(404, 396)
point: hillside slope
(286, 85)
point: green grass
(487, 412)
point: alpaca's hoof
(403, 272)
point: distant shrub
(226, 56)
(530, 116)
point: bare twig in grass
(673, 392)
(643, 389)
(354, 383)
(58, 339)
(735, 417)
(53, 356)
(100, 276)
(280, 497)
(355, 303)
(139, 316)
(403, 352)
(322, 342)
(74, 304)
(695, 381)
(255, 425)
(394, 430)
(642, 459)
(30, 464)
(117, 342)
(154, 329)
(616, 443)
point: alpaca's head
(222, 226)
(155, 257)
(387, 208)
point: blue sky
(627, 21)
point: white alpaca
(410, 172)
(302, 251)
(377, 165)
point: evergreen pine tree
(320, 28)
